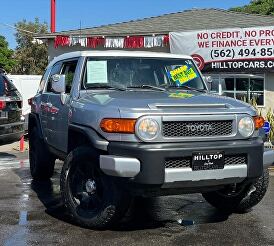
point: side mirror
(58, 83)
(208, 80)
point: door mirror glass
(58, 83)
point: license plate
(207, 160)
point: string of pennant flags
(130, 42)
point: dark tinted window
(2, 86)
(257, 84)
(229, 84)
(242, 84)
(7, 88)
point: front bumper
(146, 162)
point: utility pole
(53, 16)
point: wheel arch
(81, 135)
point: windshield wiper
(188, 88)
(106, 86)
(148, 87)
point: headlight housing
(147, 129)
(246, 127)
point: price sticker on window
(182, 74)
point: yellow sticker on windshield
(182, 74)
(180, 95)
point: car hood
(172, 100)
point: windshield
(142, 73)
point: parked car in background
(11, 120)
(27, 85)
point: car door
(45, 105)
(57, 120)
(42, 98)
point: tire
(242, 201)
(98, 207)
(41, 160)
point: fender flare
(35, 121)
(94, 138)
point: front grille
(235, 159)
(178, 162)
(173, 129)
(184, 162)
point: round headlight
(147, 129)
(246, 127)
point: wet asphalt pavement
(32, 213)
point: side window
(68, 69)
(55, 70)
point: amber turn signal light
(118, 125)
(259, 122)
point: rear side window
(7, 88)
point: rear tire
(93, 199)
(242, 201)
(41, 160)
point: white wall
(27, 86)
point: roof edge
(66, 32)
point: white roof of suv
(117, 53)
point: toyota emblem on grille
(199, 128)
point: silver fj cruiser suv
(142, 124)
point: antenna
(80, 29)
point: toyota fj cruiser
(142, 124)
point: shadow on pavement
(51, 199)
(6, 155)
(144, 213)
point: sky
(90, 13)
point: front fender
(94, 138)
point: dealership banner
(235, 49)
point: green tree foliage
(264, 7)
(6, 55)
(31, 56)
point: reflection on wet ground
(32, 213)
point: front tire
(41, 160)
(93, 199)
(241, 201)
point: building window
(245, 87)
